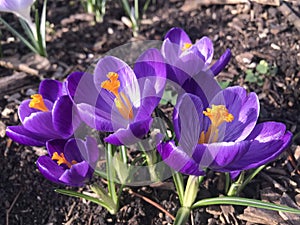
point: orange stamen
(122, 102)
(218, 114)
(62, 160)
(37, 102)
(112, 84)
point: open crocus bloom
(118, 99)
(19, 7)
(48, 115)
(70, 162)
(180, 53)
(224, 136)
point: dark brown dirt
(253, 31)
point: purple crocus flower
(70, 162)
(186, 59)
(50, 114)
(118, 99)
(224, 136)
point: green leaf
(87, 197)
(250, 77)
(16, 33)
(182, 216)
(244, 202)
(224, 84)
(262, 67)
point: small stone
(5, 113)
(110, 30)
(30, 92)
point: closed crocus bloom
(19, 7)
(223, 136)
(186, 59)
(50, 114)
(70, 162)
(118, 99)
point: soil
(253, 32)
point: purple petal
(130, 135)
(206, 48)
(76, 175)
(202, 85)
(244, 108)
(218, 156)
(95, 118)
(51, 89)
(56, 145)
(65, 116)
(21, 135)
(171, 52)
(222, 62)
(49, 169)
(178, 36)
(41, 124)
(20, 8)
(178, 160)
(25, 111)
(150, 100)
(92, 152)
(73, 81)
(150, 67)
(128, 81)
(187, 119)
(269, 141)
(73, 149)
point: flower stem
(182, 216)
(249, 178)
(234, 187)
(189, 197)
(111, 173)
(178, 181)
(151, 159)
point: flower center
(218, 114)
(37, 102)
(122, 102)
(62, 160)
(186, 46)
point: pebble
(30, 92)
(5, 113)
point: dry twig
(11, 206)
(152, 203)
(18, 66)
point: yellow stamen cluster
(186, 46)
(217, 114)
(37, 102)
(62, 160)
(122, 102)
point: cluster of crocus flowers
(214, 128)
